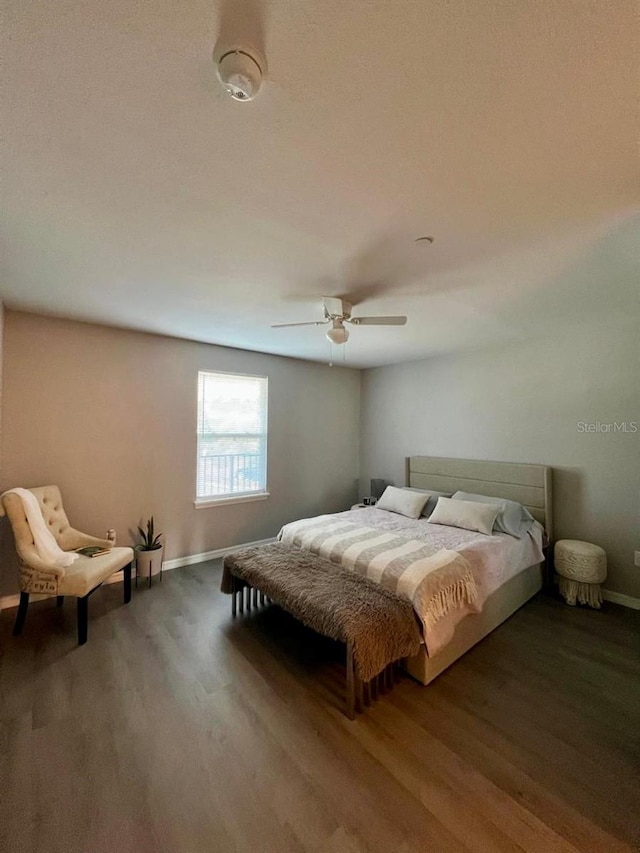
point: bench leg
(359, 695)
(351, 695)
(373, 684)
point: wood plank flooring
(178, 730)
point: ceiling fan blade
(378, 321)
(285, 325)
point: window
(232, 437)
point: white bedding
(494, 559)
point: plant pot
(149, 563)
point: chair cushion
(86, 573)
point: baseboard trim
(8, 601)
(619, 598)
(192, 559)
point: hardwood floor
(178, 730)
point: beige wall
(3, 532)
(523, 403)
(109, 415)
(1, 374)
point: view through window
(232, 435)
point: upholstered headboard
(530, 485)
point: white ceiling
(137, 194)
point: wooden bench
(378, 628)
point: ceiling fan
(338, 312)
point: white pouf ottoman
(580, 567)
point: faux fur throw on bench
(336, 603)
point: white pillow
(512, 518)
(402, 501)
(432, 498)
(465, 514)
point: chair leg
(83, 619)
(59, 600)
(21, 615)
(127, 583)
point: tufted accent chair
(79, 579)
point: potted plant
(149, 552)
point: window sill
(230, 499)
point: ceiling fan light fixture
(337, 334)
(337, 311)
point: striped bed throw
(436, 581)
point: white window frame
(201, 502)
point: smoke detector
(240, 73)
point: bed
(507, 571)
